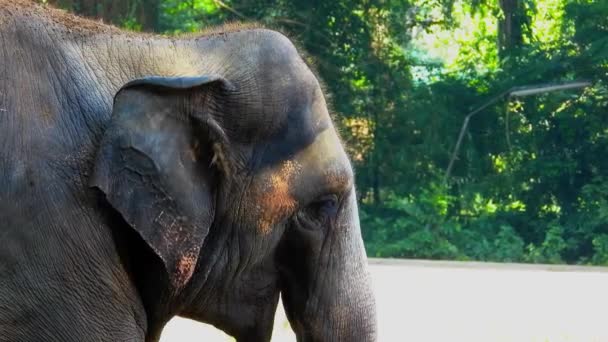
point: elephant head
(237, 182)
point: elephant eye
(325, 206)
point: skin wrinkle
(4, 118)
(91, 65)
(81, 103)
(58, 62)
(72, 124)
(320, 278)
(118, 68)
(20, 88)
(39, 89)
(67, 281)
(236, 234)
(240, 210)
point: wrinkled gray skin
(143, 177)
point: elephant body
(143, 177)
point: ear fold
(154, 166)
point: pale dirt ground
(423, 301)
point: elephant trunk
(347, 312)
(333, 300)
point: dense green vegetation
(530, 183)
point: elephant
(144, 177)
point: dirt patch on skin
(274, 200)
(185, 269)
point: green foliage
(551, 249)
(600, 248)
(529, 184)
(188, 16)
(394, 229)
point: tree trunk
(511, 26)
(148, 15)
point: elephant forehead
(326, 160)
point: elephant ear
(153, 165)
